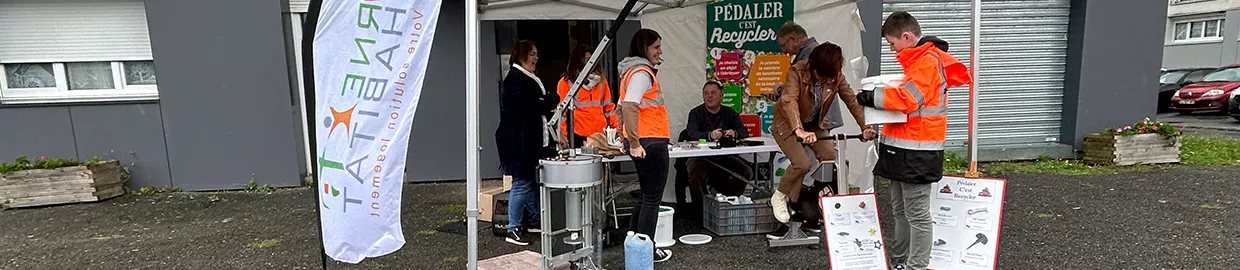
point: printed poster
(854, 236)
(966, 214)
(743, 55)
(369, 62)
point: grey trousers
(914, 230)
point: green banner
(746, 24)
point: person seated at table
(712, 121)
(799, 120)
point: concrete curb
(1237, 129)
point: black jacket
(702, 122)
(519, 138)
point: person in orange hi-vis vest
(643, 124)
(911, 153)
(594, 110)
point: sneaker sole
(515, 242)
(669, 257)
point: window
(1171, 77)
(1196, 76)
(1199, 30)
(103, 54)
(1226, 75)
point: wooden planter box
(1130, 150)
(62, 185)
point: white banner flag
(369, 62)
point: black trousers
(651, 177)
(807, 208)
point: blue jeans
(523, 199)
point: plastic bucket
(663, 230)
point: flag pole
(309, 25)
(472, 149)
(974, 50)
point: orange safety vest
(928, 73)
(652, 114)
(594, 109)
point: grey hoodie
(633, 61)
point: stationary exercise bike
(795, 236)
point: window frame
(121, 91)
(1196, 26)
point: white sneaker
(779, 204)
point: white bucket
(663, 229)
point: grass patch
(426, 232)
(264, 244)
(451, 259)
(453, 208)
(1210, 151)
(148, 191)
(1048, 165)
(1043, 215)
(1213, 206)
(954, 164)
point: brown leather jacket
(796, 101)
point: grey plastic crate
(724, 219)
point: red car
(1210, 94)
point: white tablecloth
(703, 151)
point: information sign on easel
(967, 215)
(854, 236)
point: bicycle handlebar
(837, 137)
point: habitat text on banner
(369, 61)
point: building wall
(1106, 60)
(225, 100)
(1202, 54)
(130, 133)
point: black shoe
(777, 234)
(811, 227)
(662, 255)
(516, 238)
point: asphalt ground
(1183, 218)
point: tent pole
(309, 25)
(974, 51)
(472, 68)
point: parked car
(1174, 79)
(1211, 94)
(1235, 105)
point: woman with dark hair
(800, 113)
(594, 109)
(525, 105)
(643, 124)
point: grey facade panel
(437, 141)
(488, 103)
(1193, 55)
(224, 93)
(1106, 56)
(130, 133)
(35, 132)
(872, 43)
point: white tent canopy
(682, 25)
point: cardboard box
(488, 198)
(507, 182)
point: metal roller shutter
(1024, 51)
(73, 31)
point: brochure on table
(967, 215)
(854, 237)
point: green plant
(1146, 126)
(1198, 150)
(24, 163)
(148, 191)
(255, 188)
(954, 163)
